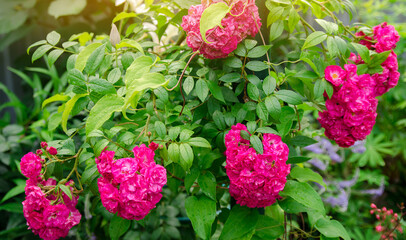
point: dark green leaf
(231, 77)
(304, 194)
(207, 183)
(241, 221)
(202, 212)
(118, 226)
(256, 66)
(302, 141)
(314, 38)
(306, 175)
(40, 52)
(102, 86)
(257, 144)
(289, 96)
(202, 90)
(95, 59)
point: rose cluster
(351, 111)
(242, 20)
(384, 39)
(48, 213)
(130, 186)
(255, 179)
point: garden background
(372, 171)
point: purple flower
(359, 147)
(341, 200)
(377, 191)
(318, 164)
(349, 183)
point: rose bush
(225, 124)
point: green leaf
(273, 106)
(68, 108)
(102, 111)
(199, 142)
(40, 52)
(262, 113)
(185, 135)
(160, 129)
(211, 17)
(90, 172)
(118, 226)
(274, 15)
(188, 85)
(53, 38)
(378, 59)
(267, 130)
(331, 228)
(289, 205)
(207, 183)
(84, 56)
(53, 56)
(66, 190)
(245, 134)
(256, 66)
(276, 30)
(257, 144)
(69, 44)
(95, 59)
(191, 178)
(76, 77)
(101, 86)
(114, 75)
(253, 91)
(363, 51)
(297, 159)
(330, 27)
(319, 88)
(258, 51)
(201, 212)
(293, 20)
(219, 120)
(124, 15)
(268, 228)
(303, 193)
(306, 175)
(289, 97)
(314, 38)
(233, 62)
(186, 156)
(302, 141)
(59, 8)
(202, 90)
(173, 152)
(216, 91)
(269, 85)
(38, 43)
(250, 43)
(174, 133)
(129, 43)
(241, 221)
(13, 192)
(231, 77)
(57, 97)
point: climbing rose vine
(351, 111)
(49, 213)
(242, 20)
(130, 186)
(255, 179)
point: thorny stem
(74, 166)
(306, 24)
(263, 42)
(118, 145)
(298, 118)
(180, 81)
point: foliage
(140, 86)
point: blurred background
(372, 171)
